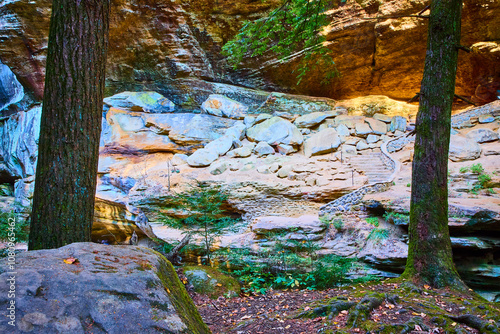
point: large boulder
(275, 130)
(398, 123)
(151, 102)
(222, 106)
(463, 149)
(137, 131)
(325, 141)
(312, 119)
(378, 127)
(202, 158)
(19, 144)
(482, 135)
(88, 287)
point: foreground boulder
(87, 287)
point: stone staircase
(372, 165)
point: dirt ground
(403, 310)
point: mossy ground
(404, 308)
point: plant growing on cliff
(292, 28)
(206, 217)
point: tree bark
(429, 254)
(63, 203)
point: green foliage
(9, 224)
(338, 224)
(378, 234)
(285, 265)
(482, 177)
(206, 218)
(294, 26)
(373, 221)
(396, 218)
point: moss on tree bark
(429, 254)
(63, 203)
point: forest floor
(382, 307)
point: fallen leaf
(71, 260)
(427, 287)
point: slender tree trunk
(63, 203)
(429, 254)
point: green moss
(215, 285)
(183, 304)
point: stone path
(372, 165)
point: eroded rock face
(19, 144)
(153, 44)
(101, 291)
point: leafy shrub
(338, 224)
(372, 221)
(396, 218)
(378, 234)
(8, 224)
(207, 217)
(292, 27)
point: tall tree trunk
(429, 254)
(63, 203)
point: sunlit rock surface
(86, 287)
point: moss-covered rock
(87, 287)
(210, 281)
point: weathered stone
(218, 167)
(310, 120)
(486, 119)
(263, 170)
(372, 139)
(263, 148)
(151, 102)
(348, 121)
(137, 131)
(237, 131)
(274, 167)
(285, 149)
(202, 158)
(398, 123)
(362, 145)
(19, 144)
(262, 117)
(349, 150)
(209, 281)
(363, 129)
(249, 121)
(383, 118)
(306, 131)
(115, 222)
(482, 135)
(342, 130)
(179, 159)
(242, 152)
(274, 224)
(462, 149)
(275, 130)
(223, 106)
(105, 285)
(378, 127)
(296, 104)
(323, 142)
(284, 171)
(11, 91)
(221, 145)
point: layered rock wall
(155, 43)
